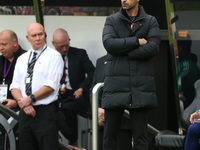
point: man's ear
(53, 43)
(27, 37)
(15, 42)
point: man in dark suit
(10, 50)
(76, 82)
(125, 137)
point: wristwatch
(33, 97)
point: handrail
(95, 97)
(13, 114)
(9, 112)
(95, 94)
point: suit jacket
(81, 71)
(79, 65)
(10, 73)
(99, 74)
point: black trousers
(138, 121)
(71, 122)
(70, 126)
(124, 139)
(63, 126)
(39, 132)
(71, 107)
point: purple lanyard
(5, 73)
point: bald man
(76, 81)
(10, 51)
(35, 86)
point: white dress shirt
(47, 71)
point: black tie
(30, 74)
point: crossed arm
(25, 103)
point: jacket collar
(141, 14)
(18, 52)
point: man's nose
(37, 37)
(64, 48)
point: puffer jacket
(129, 81)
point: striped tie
(64, 71)
(30, 72)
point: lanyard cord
(37, 57)
(5, 73)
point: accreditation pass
(3, 92)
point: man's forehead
(4, 36)
(4, 39)
(35, 29)
(36, 32)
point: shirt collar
(39, 50)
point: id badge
(3, 92)
(27, 80)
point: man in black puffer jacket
(131, 37)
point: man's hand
(29, 110)
(142, 41)
(193, 116)
(78, 93)
(101, 113)
(10, 103)
(24, 101)
(75, 148)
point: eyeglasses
(62, 46)
(59, 47)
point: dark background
(157, 10)
(16, 2)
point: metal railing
(14, 115)
(95, 98)
(9, 112)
